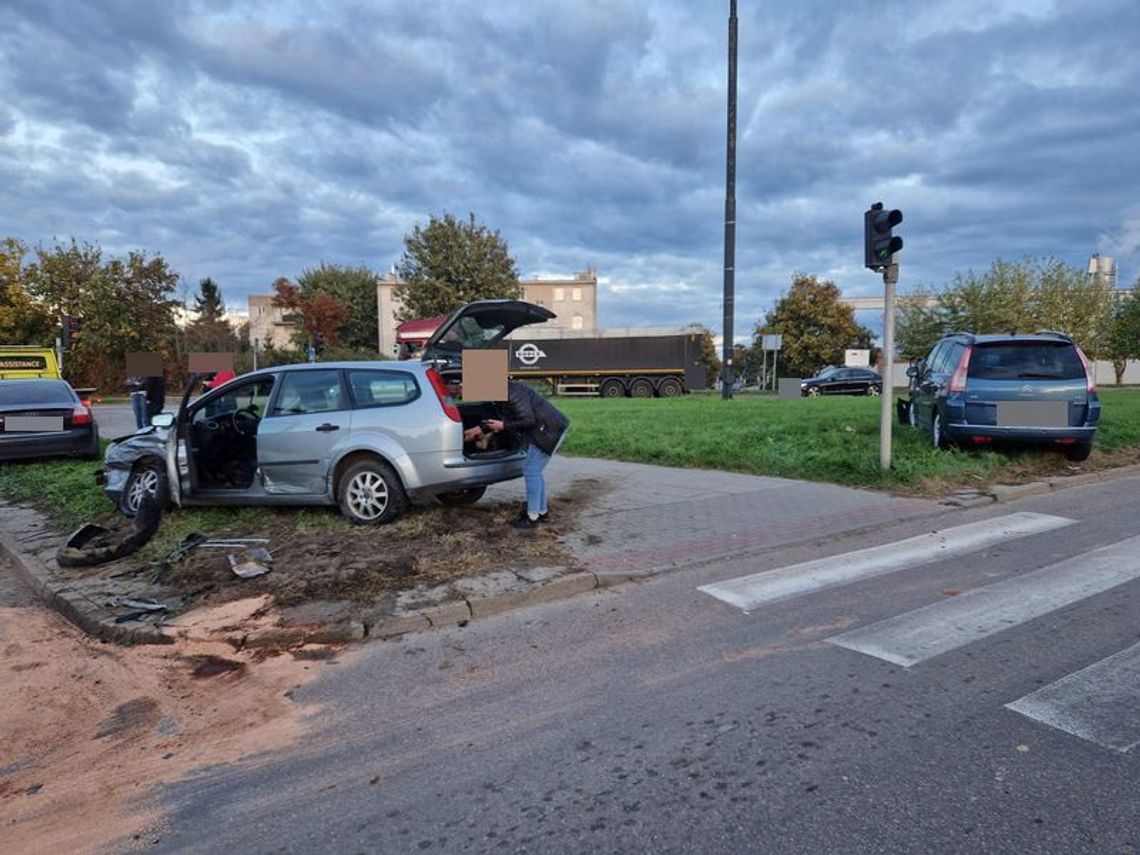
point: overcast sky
(250, 140)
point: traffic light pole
(886, 399)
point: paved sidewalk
(636, 520)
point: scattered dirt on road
(90, 731)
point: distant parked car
(45, 418)
(367, 436)
(842, 381)
(1025, 389)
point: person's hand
(472, 434)
(493, 425)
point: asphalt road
(660, 718)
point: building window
(559, 294)
(576, 322)
(576, 294)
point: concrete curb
(99, 622)
(93, 618)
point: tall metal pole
(886, 399)
(730, 212)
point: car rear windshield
(33, 392)
(1026, 360)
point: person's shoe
(544, 518)
(524, 522)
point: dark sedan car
(45, 418)
(842, 381)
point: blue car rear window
(1026, 360)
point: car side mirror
(162, 420)
(912, 371)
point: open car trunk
(501, 444)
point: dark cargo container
(640, 366)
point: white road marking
(1100, 703)
(748, 592)
(923, 633)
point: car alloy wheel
(812, 392)
(370, 493)
(146, 479)
(873, 391)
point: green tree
(709, 357)
(210, 332)
(23, 319)
(355, 289)
(817, 327)
(1123, 339)
(919, 323)
(126, 305)
(449, 263)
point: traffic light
(878, 242)
(72, 330)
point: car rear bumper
(1043, 435)
(69, 443)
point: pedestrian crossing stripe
(749, 592)
(1100, 703)
(918, 635)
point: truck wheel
(641, 388)
(612, 388)
(670, 387)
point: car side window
(937, 362)
(252, 396)
(309, 392)
(382, 388)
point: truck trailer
(610, 366)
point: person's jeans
(138, 407)
(536, 460)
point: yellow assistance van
(28, 362)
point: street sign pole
(886, 399)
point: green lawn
(820, 439)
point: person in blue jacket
(543, 427)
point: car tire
(147, 478)
(937, 434)
(612, 388)
(873, 391)
(812, 392)
(370, 493)
(458, 498)
(1078, 452)
(670, 387)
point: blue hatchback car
(1025, 389)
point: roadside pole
(886, 399)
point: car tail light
(1064, 440)
(80, 416)
(1090, 380)
(981, 439)
(958, 380)
(444, 399)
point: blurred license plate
(1033, 414)
(32, 424)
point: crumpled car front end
(122, 456)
